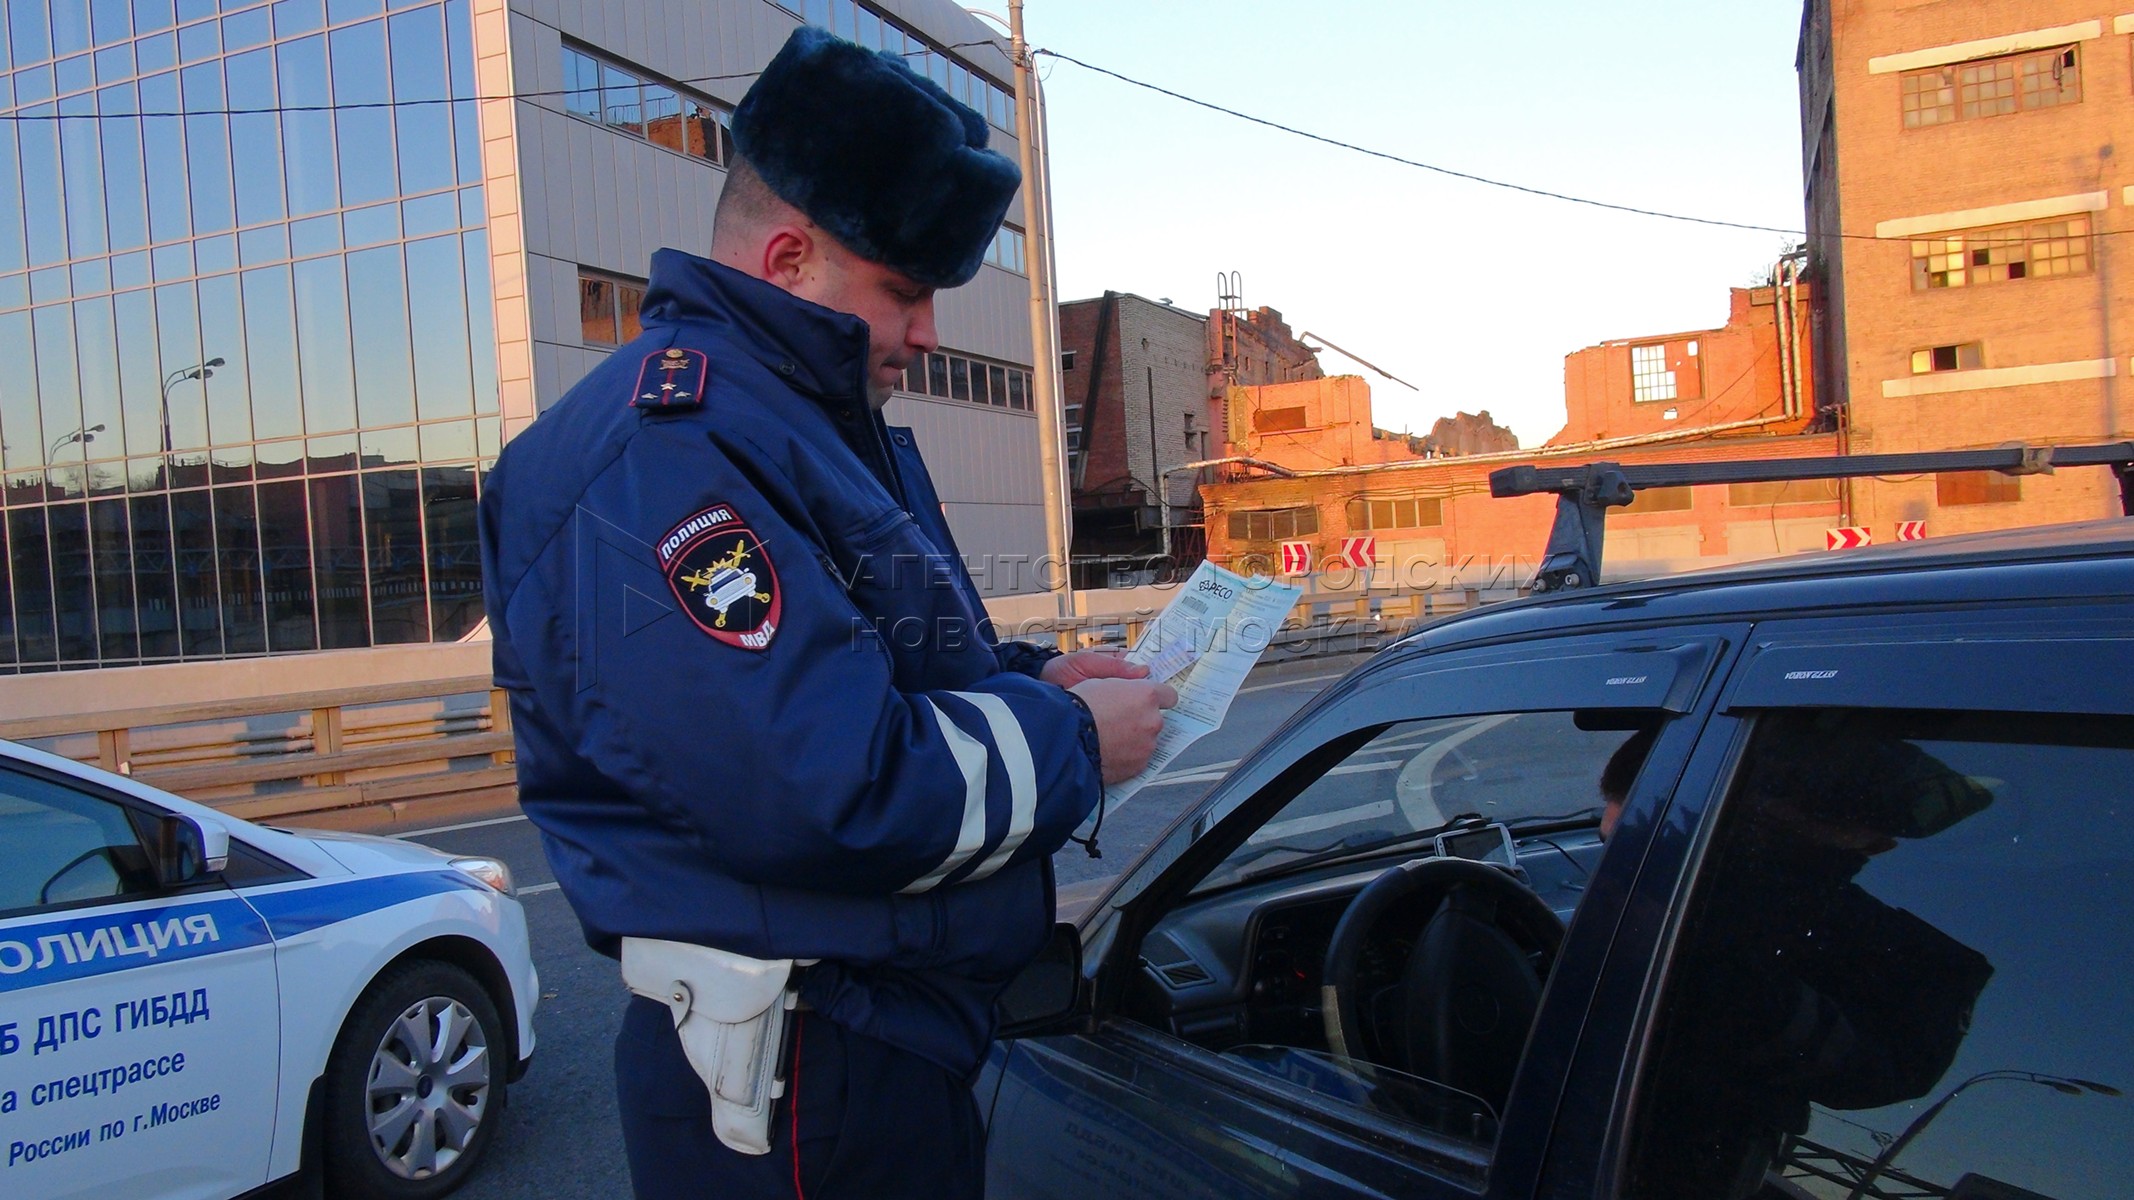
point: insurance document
(1203, 644)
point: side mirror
(1048, 993)
(182, 850)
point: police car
(193, 1005)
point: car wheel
(414, 1086)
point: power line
(19, 117)
(1410, 162)
(1483, 179)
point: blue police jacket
(755, 699)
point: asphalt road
(560, 1137)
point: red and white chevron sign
(1359, 553)
(1911, 531)
(1296, 558)
(1847, 537)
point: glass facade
(252, 389)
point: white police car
(192, 1005)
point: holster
(731, 1014)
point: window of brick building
(1278, 420)
(1789, 491)
(1659, 499)
(1991, 87)
(1964, 356)
(1273, 524)
(2037, 250)
(1409, 513)
(1649, 377)
(1954, 488)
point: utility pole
(1045, 381)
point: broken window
(2032, 251)
(1278, 420)
(1991, 87)
(1964, 356)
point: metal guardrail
(267, 757)
(394, 748)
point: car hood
(364, 852)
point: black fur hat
(878, 155)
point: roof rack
(1585, 492)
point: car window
(60, 846)
(1415, 777)
(1903, 969)
(1402, 783)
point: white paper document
(1203, 644)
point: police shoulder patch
(671, 380)
(722, 574)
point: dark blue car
(1865, 926)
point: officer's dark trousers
(874, 1122)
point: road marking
(535, 889)
(1412, 789)
(1320, 821)
(416, 833)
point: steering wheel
(1460, 1013)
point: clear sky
(1472, 293)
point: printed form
(1204, 643)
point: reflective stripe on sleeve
(970, 755)
(1022, 777)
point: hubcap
(429, 1088)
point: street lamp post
(200, 371)
(1038, 261)
(2060, 1083)
(84, 436)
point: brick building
(1737, 391)
(1435, 524)
(1750, 373)
(1318, 423)
(1134, 391)
(1963, 192)
(1254, 347)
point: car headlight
(488, 870)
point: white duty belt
(730, 1012)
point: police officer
(770, 741)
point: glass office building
(250, 382)
(278, 279)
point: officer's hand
(1129, 715)
(1084, 665)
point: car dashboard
(1244, 965)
